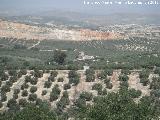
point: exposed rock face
(98, 35)
(23, 31)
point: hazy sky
(75, 5)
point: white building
(85, 68)
(82, 56)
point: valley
(69, 66)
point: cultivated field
(61, 80)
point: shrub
(19, 74)
(34, 81)
(24, 86)
(56, 89)
(87, 96)
(23, 71)
(97, 87)
(157, 70)
(119, 106)
(38, 74)
(73, 77)
(102, 75)
(155, 93)
(109, 72)
(60, 107)
(12, 72)
(59, 57)
(32, 112)
(5, 88)
(32, 97)
(65, 94)
(53, 96)
(67, 86)
(61, 104)
(90, 78)
(80, 103)
(39, 101)
(44, 92)
(24, 93)
(3, 97)
(9, 83)
(90, 71)
(155, 84)
(60, 79)
(11, 103)
(124, 84)
(47, 84)
(13, 79)
(28, 79)
(16, 91)
(1, 71)
(1, 104)
(109, 85)
(54, 73)
(107, 81)
(55, 93)
(14, 108)
(75, 80)
(0, 83)
(32, 73)
(144, 81)
(123, 78)
(23, 102)
(19, 46)
(4, 77)
(51, 78)
(134, 93)
(15, 96)
(144, 74)
(33, 89)
(72, 74)
(104, 92)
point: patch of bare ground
(29, 32)
(134, 82)
(40, 87)
(114, 80)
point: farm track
(35, 45)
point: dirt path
(114, 80)
(35, 45)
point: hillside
(23, 31)
(46, 80)
(67, 66)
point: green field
(135, 52)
